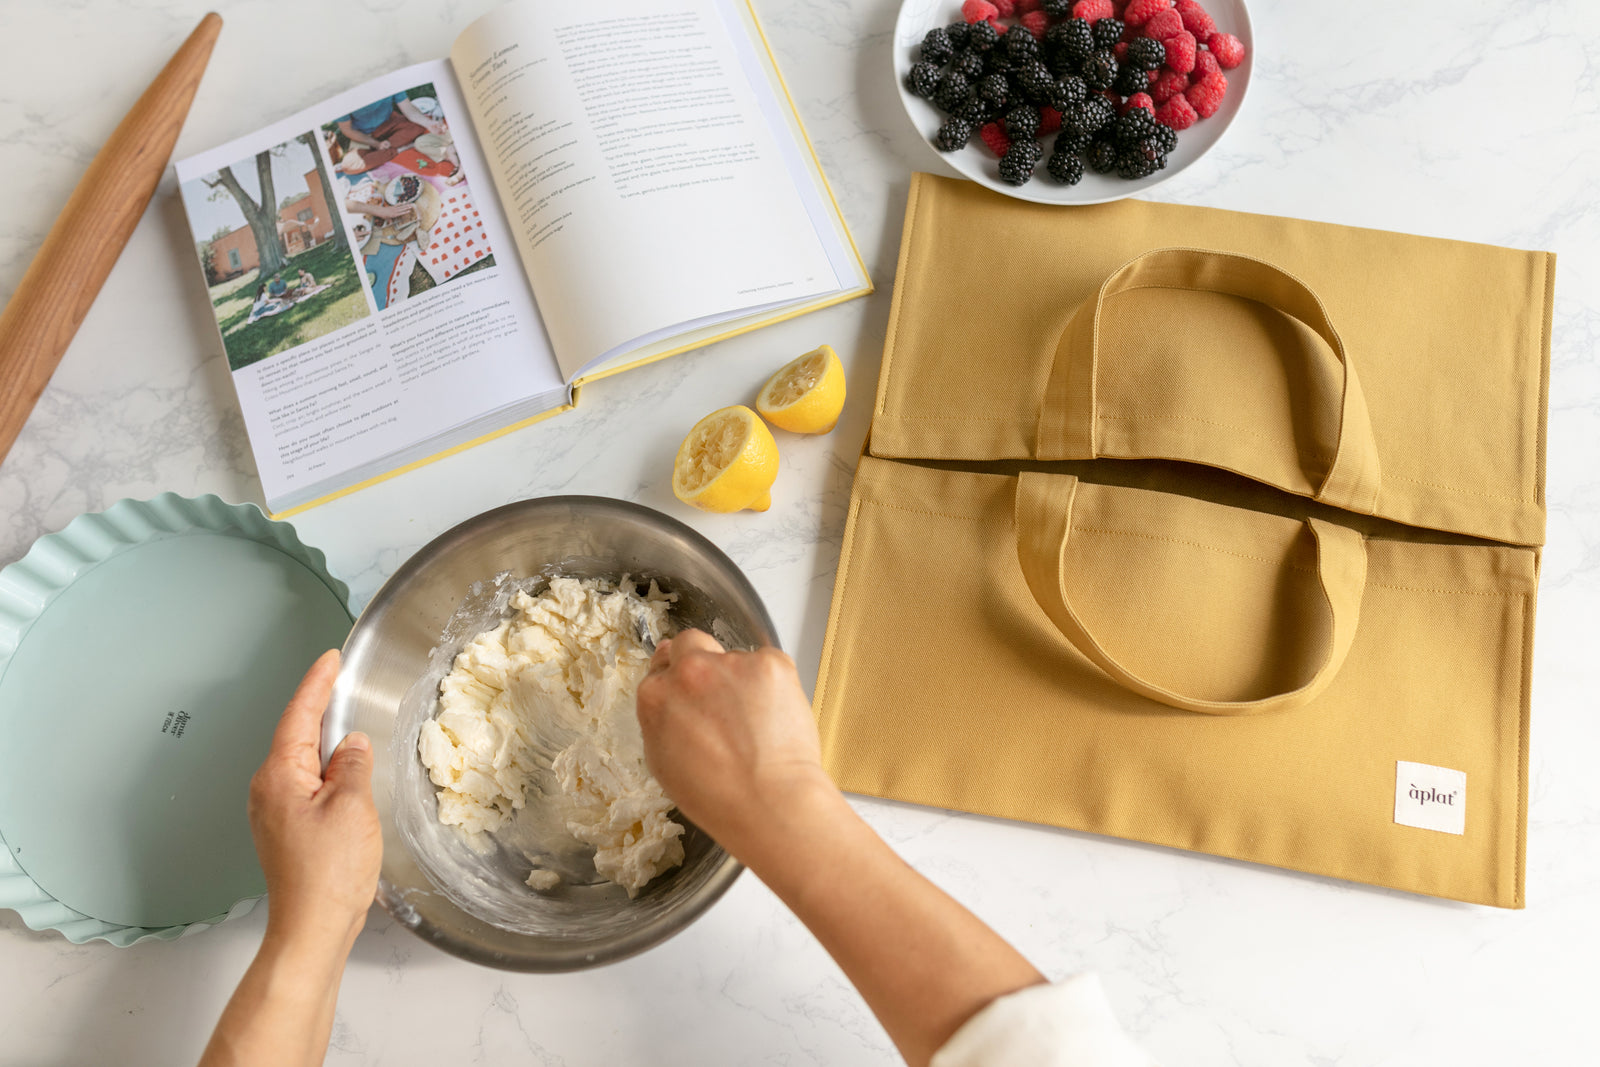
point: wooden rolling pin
(88, 236)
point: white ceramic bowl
(975, 161)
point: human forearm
(320, 846)
(360, 138)
(923, 962)
(282, 1012)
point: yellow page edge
(414, 464)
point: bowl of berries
(1072, 101)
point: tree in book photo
(399, 182)
(278, 265)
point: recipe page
(640, 176)
(364, 280)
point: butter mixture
(536, 726)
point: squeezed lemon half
(728, 462)
(806, 395)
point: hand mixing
(536, 739)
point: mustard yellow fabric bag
(1290, 622)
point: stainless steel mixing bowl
(476, 906)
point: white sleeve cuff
(1063, 1024)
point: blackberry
(1073, 40)
(975, 109)
(1131, 80)
(1036, 81)
(995, 89)
(953, 135)
(982, 36)
(923, 79)
(1107, 32)
(1145, 53)
(1065, 167)
(1057, 9)
(957, 32)
(1059, 64)
(1067, 141)
(1069, 92)
(1090, 116)
(1165, 139)
(1100, 70)
(1022, 122)
(995, 61)
(1020, 44)
(1102, 157)
(969, 65)
(953, 91)
(1135, 164)
(936, 46)
(1020, 159)
(1134, 126)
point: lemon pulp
(806, 395)
(727, 462)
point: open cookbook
(449, 252)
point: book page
(364, 281)
(643, 182)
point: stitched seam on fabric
(1522, 763)
(919, 511)
(1194, 544)
(899, 305)
(1451, 592)
(1544, 373)
(1454, 489)
(956, 418)
(845, 574)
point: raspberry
(1181, 49)
(1163, 25)
(1140, 100)
(994, 135)
(1228, 49)
(1120, 50)
(1177, 113)
(1195, 19)
(1049, 120)
(1093, 10)
(1036, 22)
(1005, 8)
(1139, 12)
(1025, 7)
(1205, 96)
(1170, 83)
(978, 11)
(1205, 65)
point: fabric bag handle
(1068, 417)
(1044, 524)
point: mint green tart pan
(146, 652)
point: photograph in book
(277, 261)
(403, 191)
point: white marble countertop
(1469, 120)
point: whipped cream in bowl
(536, 736)
(496, 672)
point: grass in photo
(277, 261)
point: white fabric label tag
(1430, 798)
